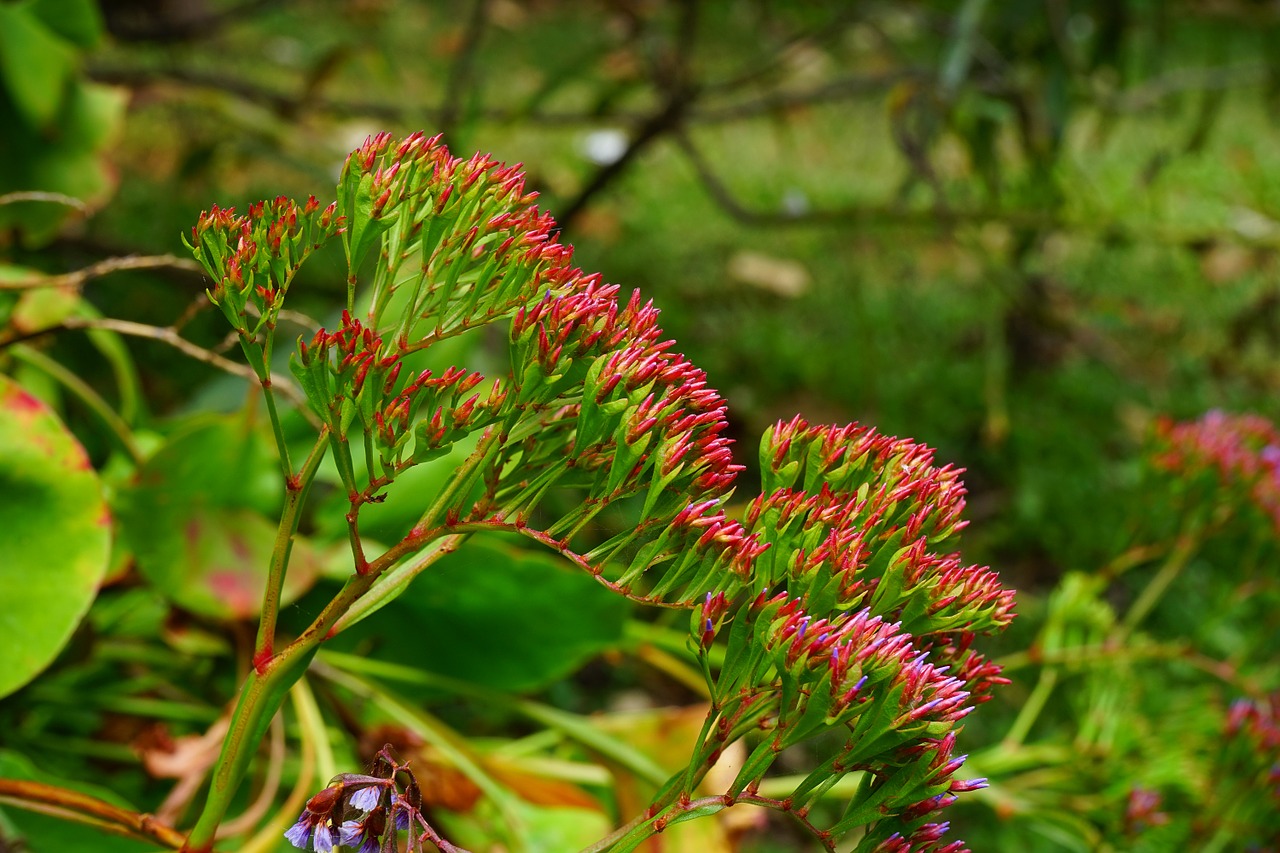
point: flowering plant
(827, 617)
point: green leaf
(498, 616)
(34, 63)
(77, 21)
(67, 160)
(55, 535)
(200, 520)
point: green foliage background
(1018, 232)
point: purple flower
(299, 835)
(323, 842)
(354, 833)
(400, 810)
(366, 799)
(312, 826)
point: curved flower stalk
(871, 628)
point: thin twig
(164, 335)
(171, 337)
(51, 198)
(892, 216)
(674, 80)
(73, 805)
(77, 278)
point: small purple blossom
(400, 809)
(299, 835)
(323, 842)
(366, 799)
(354, 833)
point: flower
(366, 799)
(359, 834)
(312, 827)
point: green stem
(257, 358)
(1032, 707)
(1159, 585)
(77, 386)
(267, 685)
(295, 495)
(260, 698)
(394, 581)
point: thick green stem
(260, 698)
(269, 682)
(295, 495)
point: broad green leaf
(215, 563)
(200, 518)
(496, 615)
(77, 21)
(35, 65)
(55, 535)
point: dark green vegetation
(1018, 232)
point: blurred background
(1017, 231)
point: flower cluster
(366, 813)
(480, 246)
(351, 376)
(1242, 451)
(871, 632)
(253, 258)
(1248, 771)
(868, 632)
(861, 529)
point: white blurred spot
(603, 147)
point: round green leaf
(55, 535)
(199, 519)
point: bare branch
(51, 198)
(73, 805)
(882, 216)
(77, 278)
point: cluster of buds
(872, 632)
(861, 528)
(1247, 773)
(368, 813)
(791, 676)
(253, 258)
(1142, 811)
(1242, 451)
(903, 486)
(350, 375)
(644, 421)
(925, 839)
(481, 247)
